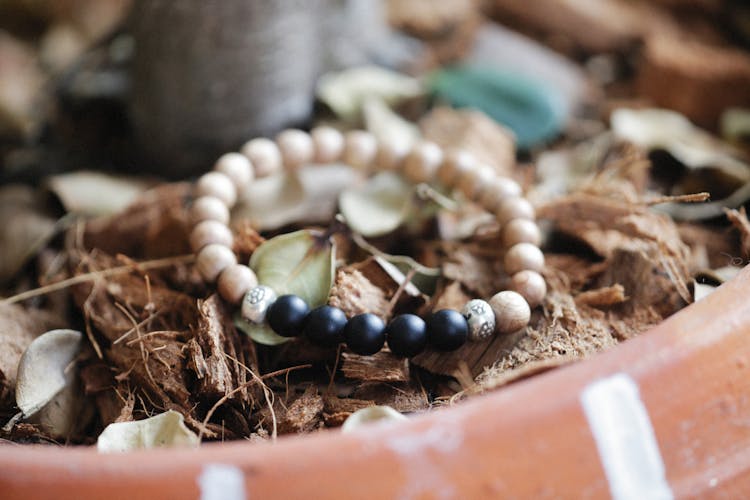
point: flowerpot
(663, 415)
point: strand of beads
(407, 334)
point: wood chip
(471, 357)
(613, 26)
(602, 297)
(304, 414)
(156, 225)
(738, 218)
(479, 269)
(472, 131)
(448, 27)
(354, 294)
(694, 78)
(337, 410)
(142, 326)
(381, 367)
(213, 371)
(402, 397)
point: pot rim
(690, 380)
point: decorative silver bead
(256, 302)
(480, 318)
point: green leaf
(532, 111)
(377, 207)
(301, 263)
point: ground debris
(602, 297)
(337, 410)
(18, 327)
(381, 367)
(304, 414)
(474, 132)
(738, 218)
(354, 294)
(406, 397)
(143, 330)
(448, 28)
(155, 225)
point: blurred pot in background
(208, 75)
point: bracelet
(407, 334)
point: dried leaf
(371, 415)
(345, 92)
(18, 328)
(377, 207)
(46, 389)
(21, 80)
(653, 128)
(472, 131)
(42, 371)
(96, 193)
(387, 126)
(308, 196)
(301, 263)
(702, 290)
(166, 430)
(25, 227)
(735, 124)
(712, 165)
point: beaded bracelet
(407, 334)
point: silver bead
(256, 302)
(480, 318)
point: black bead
(365, 334)
(324, 325)
(407, 335)
(287, 315)
(447, 330)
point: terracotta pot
(665, 414)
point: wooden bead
(209, 208)
(496, 191)
(360, 148)
(328, 144)
(217, 185)
(264, 155)
(511, 310)
(454, 165)
(531, 285)
(514, 208)
(209, 232)
(296, 148)
(470, 182)
(521, 231)
(237, 167)
(423, 161)
(523, 256)
(212, 260)
(391, 154)
(234, 282)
